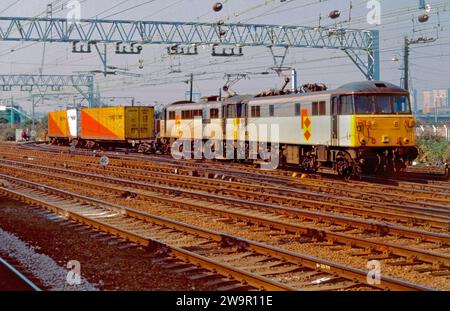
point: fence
(433, 131)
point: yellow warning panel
(306, 125)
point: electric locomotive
(362, 127)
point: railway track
(130, 186)
(371, 249)
(250, 263)
(12, 279)
(245, 170)
(243, 212)
(235, 199)
(415, 180)
(435, 216)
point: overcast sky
(430, 64)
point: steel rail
(258, 175)
(295, 212)
(223, 269)
(400, 206)
(301, 260)
(19, 275)
(425, 215)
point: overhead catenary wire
(389, 45)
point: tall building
(448, 97)
(435, 100)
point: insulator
(334, 14)
(217, 7)
(423, 18)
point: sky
(159, 84)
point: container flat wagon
(103, 127)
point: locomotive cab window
(383, 104)
(346, 105)
(364, 105)
(271, 111)
(334, 105)
(375, 104)
(171, 115)
(234, 111)
(402, 105)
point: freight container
(58, 126)
(117, 123)
(74, 121)
(64, 124)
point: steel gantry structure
(362, 46)
(84, 84)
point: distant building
(436, 100)
(16, 116)
(448, 97)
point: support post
(294, 80)
(91, 97)
(374, 57)
(406, 65)
(12, 112)
(191, 91)
(33, 127)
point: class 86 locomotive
(359, 128)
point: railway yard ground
(149, 222)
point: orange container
(58, 125)
(117, 123)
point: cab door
(335, 121)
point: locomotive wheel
(343, 168)
(372, 164)
(344, 165)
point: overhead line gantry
(362, 46)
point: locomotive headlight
(410, 123)
(359, 128)
(363, 141)
(386, 139)
(406, 141)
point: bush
(447, 154)
(7, 134)
(433, 151)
